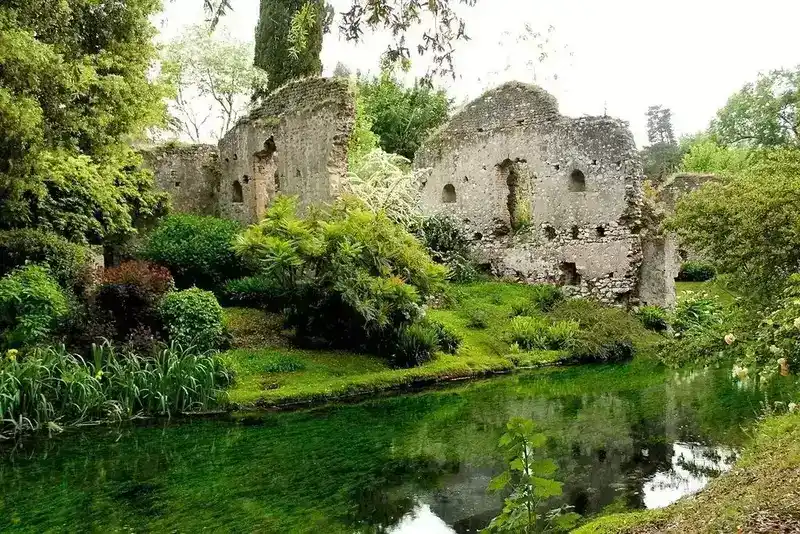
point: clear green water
(624, 437)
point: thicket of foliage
(447, 244)
(402, 117)
(73, 93)
(51, 388)
(31, 306)
(198, 251)
(193, 318)
(748, 223)
(67, 262)
(778, 334)
(348, 277)
(706, 155)
(696, 271)
(653, 318)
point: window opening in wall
(269, 148)
(246, 179)
(569, 274)
(574, 232)
(177, 184)
(449, 194)
(601, 232)
(277, 178)
(508, 171)
(477, 236)
(237, 193)
(577, 181)
(549, 232)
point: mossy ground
(760, 495)
(261, 353)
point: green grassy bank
(269, 371)
(760, 495)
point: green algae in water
(624, 437)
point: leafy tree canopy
(402, 117)
(663, 155)
(73, 94)
(749, 223)
(212, 79)
(763, 113)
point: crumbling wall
(293, 143)
(545, 198)
(189, 173)
(660, 266)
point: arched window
(237, 193)
(449, 194)
(577, 181)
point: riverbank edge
(760, 494)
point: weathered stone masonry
(545, 198)
(294, 143)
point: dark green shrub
(413, 345)
(447, 244)
(447, 340)
(31, 306)
(350, 278)
(696, 271)
(546, 296)
(478, 319)
(653, 318)
(193, 317)
(68, 263)
(125, 305)
(530, 333)
(254, 292)
(197, 250)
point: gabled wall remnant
(545, 197)
(294, 143)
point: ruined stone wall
(189, 173)
(660, 266)
(294, 143)
(545, 198)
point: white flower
(793, 407)
(775, 350)
(740, 372)
(729, 339)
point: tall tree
(212, 79)
(763, 113)
(289, 39)
(443, 28)
(74, 93)
(663, 155)
(402, 116)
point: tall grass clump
(51, 388)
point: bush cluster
(447, 244)
(696, 310)
(778, 335)
(69, 263)
(31, 306)
(653, 318)
(531, 333)
(696, 271)
(544, 298)
(193, 318)
(350, 278)
(197, 250)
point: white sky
(688, 55)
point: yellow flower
(99, 374)
(12, 354)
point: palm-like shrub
(349, 277)
(446, 243)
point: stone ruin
(544, 198)
(294, 142)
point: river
(624, 437)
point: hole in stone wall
(236, 192)
(477, 236)
(269, 148)
(549, 232)
(227, 160)
(466, 179)
(623, 298)
(601, 232)
(177, 184)
(235, 157)
(508, 171)
(277, 178)
(574, 231)
(569, 274)
(449, 194)
(577, 181)
(557, 167)
(246, 179)
(297, 173)
(594, 162)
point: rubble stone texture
(189, 173)
(545, 198)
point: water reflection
(623, 437)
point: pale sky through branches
(688, 55)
